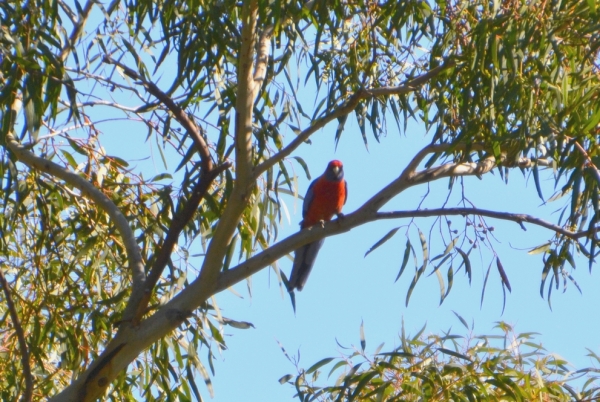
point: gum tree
(100, 297)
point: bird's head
(334, 171)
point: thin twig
(589, 162)
(507, 216)
(28, 394)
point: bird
(324, 198)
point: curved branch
(346, 108)
(179, 114)
(28, 394)
(87, 189)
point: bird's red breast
(325, 196)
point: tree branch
(178, 223)
(28, 394)
(244, 181)
(88, 190)
(247, 89)
(180, 115)
(361, 217)
(346, 108)
(506, 216)
(262, 57)
(77, 29)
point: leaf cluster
(499, 367)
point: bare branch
(28, 394)
(87, 189)
(180, 115)
(506, 216)
(346, 108)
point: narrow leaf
(385, 238)
(466, 261)
(319, 364)
(404, 260)
(503, 274)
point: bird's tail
(304, 259)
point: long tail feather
(304, 259)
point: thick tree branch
(247, 89)
(346, 108)
(88, 190)
(28, 394)
(177, 225)
(262, 57)
(368, 212)
(130, 340)
(179, 114)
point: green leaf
(405, 259)
(69, 158)
(453, 353)
(462, 320)
(540, 249)
(161, 176)
(466, 261)
(385, 238)
(319, 364)
(503, 274)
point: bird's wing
(308, 198)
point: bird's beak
(336, 170)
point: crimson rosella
(324, 198)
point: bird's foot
(322, 222)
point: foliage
(226, 92)
(452, 367)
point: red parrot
(324, 198)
